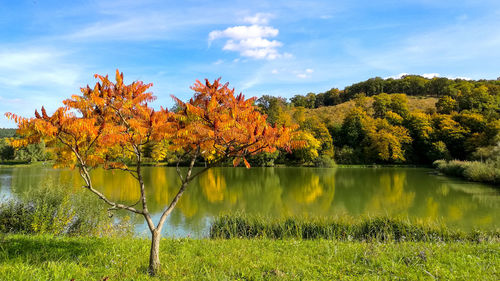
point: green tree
(352, 128)
(451, 133)
(32, 152)
(384, 141)
(446, 105)
(479, 100)
(273, 107)
(399, 104)
(439, 86)
(6, 150)
(381, 104)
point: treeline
(381, 128)
(28, 154)
(7, 132)
(412, 85)
(380, 123)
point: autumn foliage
(111, 121)
(111, 124)
(222, 125)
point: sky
(49, 49)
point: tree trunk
(154, 256)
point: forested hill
(408, 120)
(411, 85)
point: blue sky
(49, 49)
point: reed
(381, 229)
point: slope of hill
(334, 115)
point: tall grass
(52, 209)
(471, 170)
(366, 229)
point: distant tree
(332, 97)
(399, 104)
(385, 141)
(309, 151)
(32, 152)
(352, 128)
(421, 131)
(479, 100)
(438, 86)
(414, 85)
(318, 129)
(299, 100)
(450, 133)
(274, 107)
(7, 133)
(446, 105)
(381, 104)
(6, 150)
(438, 151)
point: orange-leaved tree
(109, 126)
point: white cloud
(396, 76)
(274, 71)
(31, 77)
(259, 18)
(460, 77)
(31, 67)
(430, 75)
(251, 43)
(305, 74)
(241, 32)
(250, 40)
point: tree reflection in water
(282, 192)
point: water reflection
(281, 192)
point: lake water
(415, 193)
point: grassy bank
(380, 229)
(470, 170)
(61, 258)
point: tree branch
(184, 185)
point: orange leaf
(246, 163)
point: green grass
(343, 229)
(25, 257)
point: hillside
(334, 115)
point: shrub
(346, 155)
(53, 210)
(471, 170)
(15, 217)
(324, 161)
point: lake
(415, 193)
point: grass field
(25, 257)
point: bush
(470, 170)
(324, 161)
(482, 172)
(15, 217)
(53, 210)
(347, 155)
